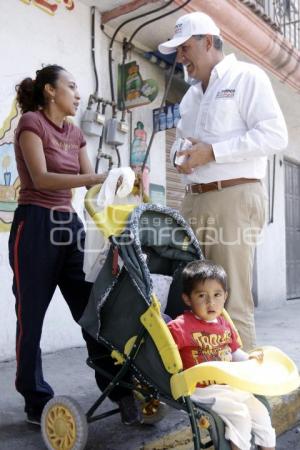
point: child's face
(206, 300)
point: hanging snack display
(132, 89)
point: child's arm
(240, 355)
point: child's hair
(199, 271)
(30, 93)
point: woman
(46, 234)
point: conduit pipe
(246, 31)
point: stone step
(285, 415)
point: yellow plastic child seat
(276, 375)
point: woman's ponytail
(26, 95)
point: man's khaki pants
(228, 223)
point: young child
(202, 334)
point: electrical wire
(162, 103)
(114, 36)
(126, 45)
(99, 152)
(171, 74)
(93, 49)
(118, 156)
(155, 19)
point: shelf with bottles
(166, 117)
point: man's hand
(198, 155)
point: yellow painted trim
(119, 358)
(277, 375)
(162, 337)
(129, 344)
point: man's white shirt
(239, 115)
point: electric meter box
(115, 132)
(92, 123)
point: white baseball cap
(187, 26)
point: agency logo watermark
(156, 231)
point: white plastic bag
(161, 287)
(96, 244)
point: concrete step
(285, 415)
(285, 411)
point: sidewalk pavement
(69, 375)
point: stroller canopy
(161, 229)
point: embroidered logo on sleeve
(226, 93)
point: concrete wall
(271, 255)
(270, 270)
(30, 37)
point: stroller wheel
(64, 425)
(153, 411)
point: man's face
(193, 54)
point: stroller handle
(89, 200)
(90, 197)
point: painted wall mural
(50, 7)
(9, 180)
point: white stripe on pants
(242, 414)
(227, 224)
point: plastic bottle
(139, 145)
(162, 120)
(176, 114)
(134, 83)
(138, 153)
(156, 120)
(183, 144)
(170, 123)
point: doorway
(292, 219)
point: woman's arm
(33, 153)
(86, 166)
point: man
(233, 121)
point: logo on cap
(178, 28)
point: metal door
(292, 218)
(175, 188)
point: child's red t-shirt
(199, 341)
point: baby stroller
(144, 239)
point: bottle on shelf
(170, 122)
(162, 120)
(176, 114)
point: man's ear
(186, 299)
(209, 42)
